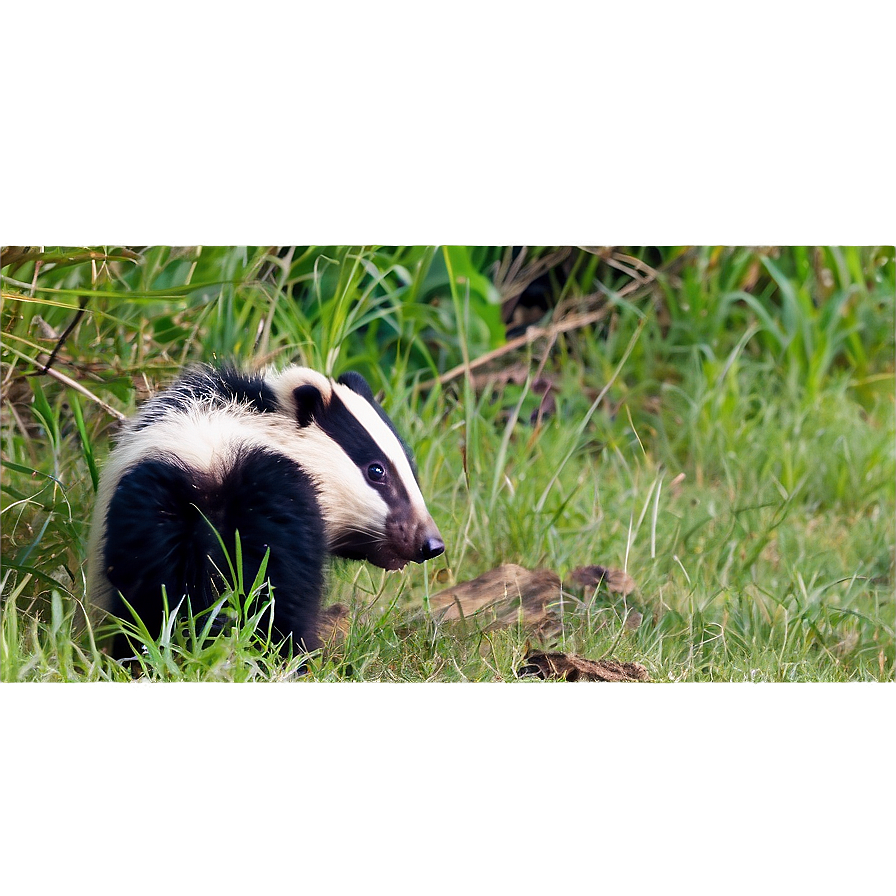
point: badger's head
(365, 476)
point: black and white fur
(297, 463)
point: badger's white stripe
(385, 438)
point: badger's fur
(298, 464)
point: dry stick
(53, 372)
(68, 330)
(637, 263)
(14, 254)
(571, 322)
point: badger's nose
(432, 546)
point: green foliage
(724, 432)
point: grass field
(721, 427)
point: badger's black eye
(376, 473)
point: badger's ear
(357, 383)
(309, 403)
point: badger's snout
(431, 546)
(403, 543)
(423, 541)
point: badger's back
(223, 452)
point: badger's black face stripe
(358, 384)
(338, 422)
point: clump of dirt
(570, 667)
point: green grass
(725, 434)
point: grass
(724, 433)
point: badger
(302, 466)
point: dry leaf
(503, 596)
(569, 667)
